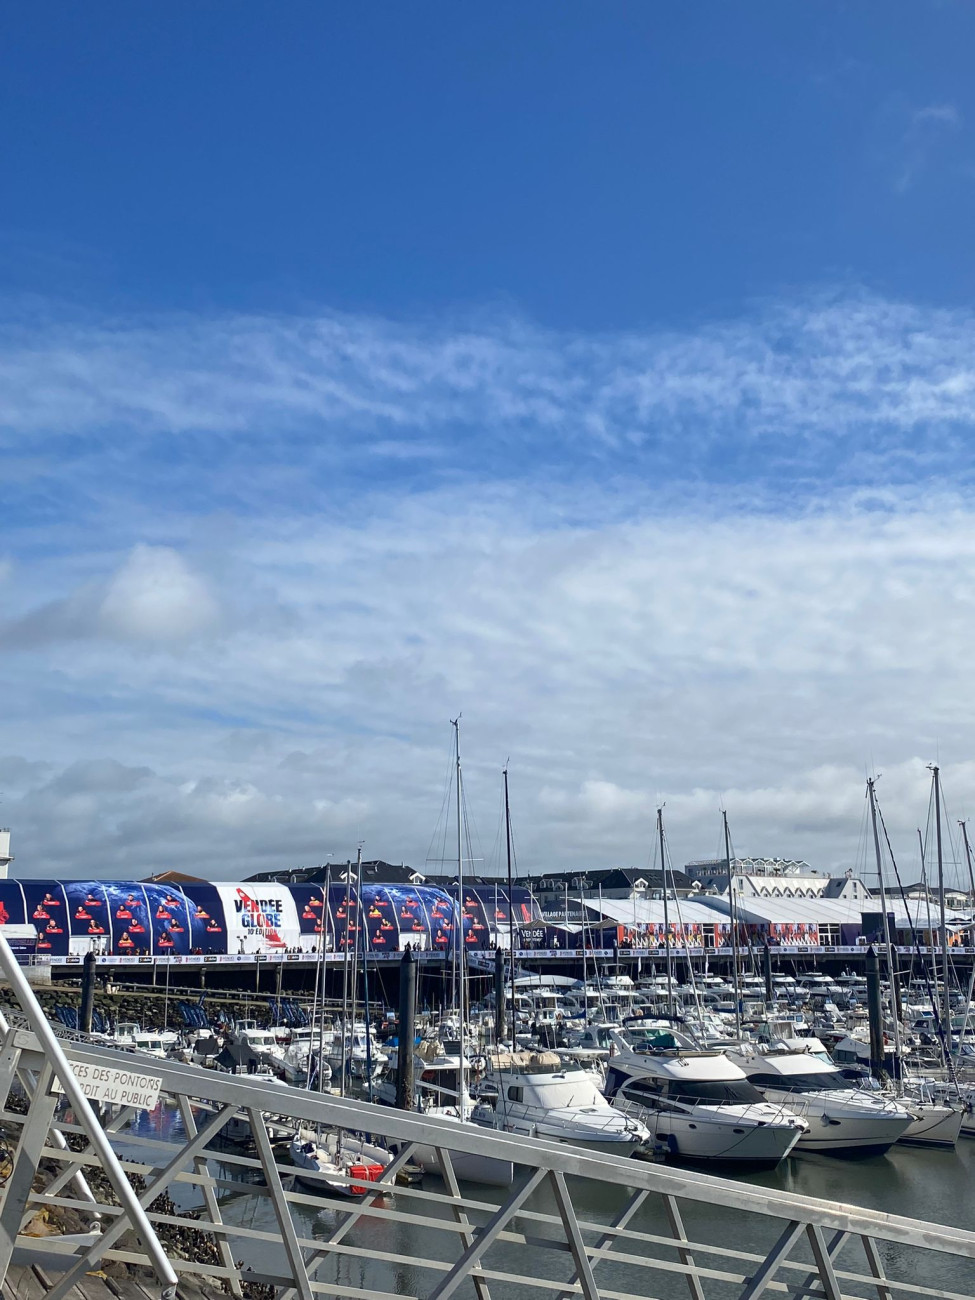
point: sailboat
(444, 1074)
(332, 1159)
(936, 1121)
(337, 1161)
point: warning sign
(123, 1087)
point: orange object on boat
(371, 1173)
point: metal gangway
(572, 1222)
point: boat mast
(459, 939)
(345, 980)
(888, 943)
(670, 959)
(971, 981)
(511, 903)
(734, 922)
(318, 1005)
(364, 944)
(942, 926)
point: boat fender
(672, 1146)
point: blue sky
(598, 166)
(604, 372)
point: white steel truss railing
(573, 1223)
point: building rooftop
(751, 867)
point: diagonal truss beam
(121, 1224)
(33, 1139)
(760, 1279)
(609, 1239)
(836, 1243)
(877, 1268)
(686, 1258)
(460, 1214)
(201, 1166)
(282, 1210)
(573, 1234)
(56, 1059)
(486, 1236)
(823, 1258)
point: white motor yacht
(535, 1095)
(299, 1059)
(255, 1049)
(154, 1042)
(702, 1108)
(357, 1053)
(937, 1119)
(843, 1121)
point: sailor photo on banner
(314, 919)
(208, 926)
(411, 915)
(89, 915)
(380, 919)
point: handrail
(58, 1061)
(405, 1127)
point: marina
(754, 1105)
(396, 1244)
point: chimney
(6, 857)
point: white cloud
(154, 598)
(760, 661)
(797, 377)
(261, 686)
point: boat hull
(936, 1126)
(730, 1147)
(486, 1170)
(845, 1139)
(843, 1129)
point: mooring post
(499, 1002)
(767, 972)
(405, 1093)
(86, 1014)
(875, 1014)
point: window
(516, 1093)
(642, 1090)
(715, 1092)
(827, 1081)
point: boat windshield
(661, 1040)
(715, 1092)
(827, 1081)
(703, 1092)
